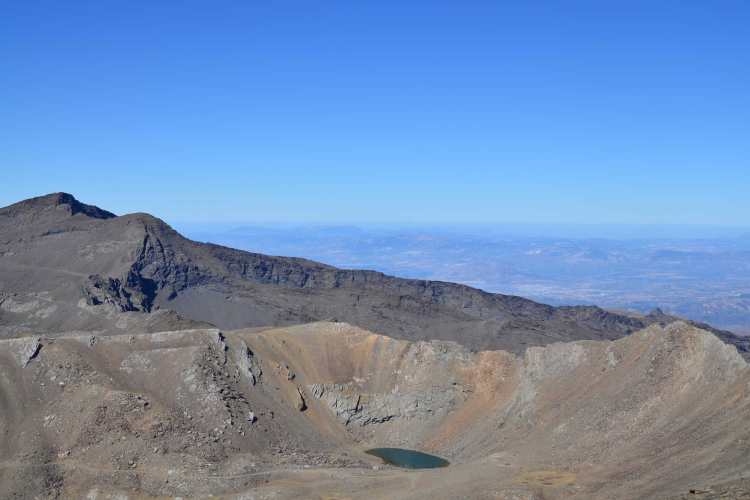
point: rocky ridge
(70, 266)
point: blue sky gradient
(363, 112)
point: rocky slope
(65, 265)
(116, 383)
(287, 413)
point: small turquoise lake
(408, 459)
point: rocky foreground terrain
(288, 412)
(135, 363)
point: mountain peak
(54, 200)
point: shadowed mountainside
(61, 260)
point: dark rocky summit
(60, 260)
(62, 202)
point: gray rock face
(354, 408)
(223, 347)
(301, 403)
(344, 403)
(417, 399)
(249, 364)
(26, 350)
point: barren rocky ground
(288, 412)
(137, 364)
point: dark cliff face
(137, 262)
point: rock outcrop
(248, 364)
(26, 350)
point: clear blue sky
(347, 111)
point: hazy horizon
(573, 230)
